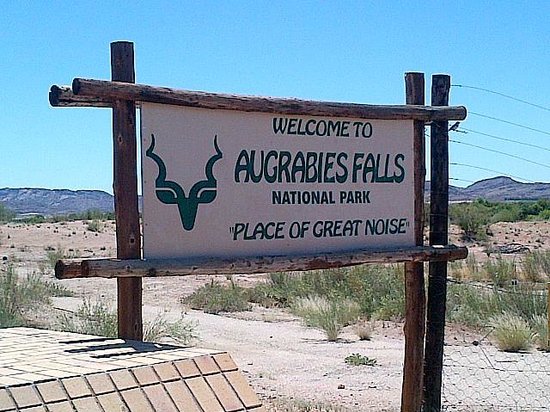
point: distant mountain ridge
(497, 189)
(49, 202)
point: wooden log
(122, 268)
(415, 302)
(128, 232)
(439, 214)
(63, 96)
(101, 89)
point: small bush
(512, 333)
(98, 318)
(330, 316)
(500, 272)
(364, 330)
(536, 266)
(20, 296)
(539, 324)
(356, 359)
(215, 298)
(95, 226)
(91, 318)
(472, 218)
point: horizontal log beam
(63, 96)
(115, 268)
(102, 90)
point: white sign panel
(220, 183)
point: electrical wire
(538, 106)
(502, 153)
(509, 122)
(461, 180)
(465, 130)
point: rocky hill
(498, 188)
(50, 202)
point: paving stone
(76, 387)
(166, 371)
(158, 397)
(123, 379)
(52, 391)
(225, 362)
(224, 392)
(11, 380)
(61, 407)
(204, 395)
(25, 396)
(258, 409)
(187, 368)
(182, 397)
(243, 389)
(112, 402)
(145, 375)
(35, 409)
(6, 403)
(100, 383)
(206, 365)
(136, 400)
(86, 405)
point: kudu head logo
(169, 192)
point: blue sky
(349, 51)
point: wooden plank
(439, 213)
(128, 232)
(101, 89)
(120, 268)
(63, 96)
(415, 301)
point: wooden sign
(225, 183)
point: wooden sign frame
(420, 382)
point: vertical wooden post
(411, 394)
(128, 235)
(439, 215)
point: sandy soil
(281, 357)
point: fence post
(128, 233)
(415, 305)
(439, 214)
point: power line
(490, 170)
(502, 153)
(509, 122)
(538, 106)
(461, 180)
(464, 130)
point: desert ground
(286, 362)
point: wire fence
(482, 378)
(478, 377)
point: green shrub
(512, 333)
(91, 318)
(215, 298)
(21, 296)
(472, 218)
(536, 266)
(500, 271)
(378, 289)
(539, 324)
(329, 315)
(356, 359)
(95, 226)
(98, 318)
(475, 305)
